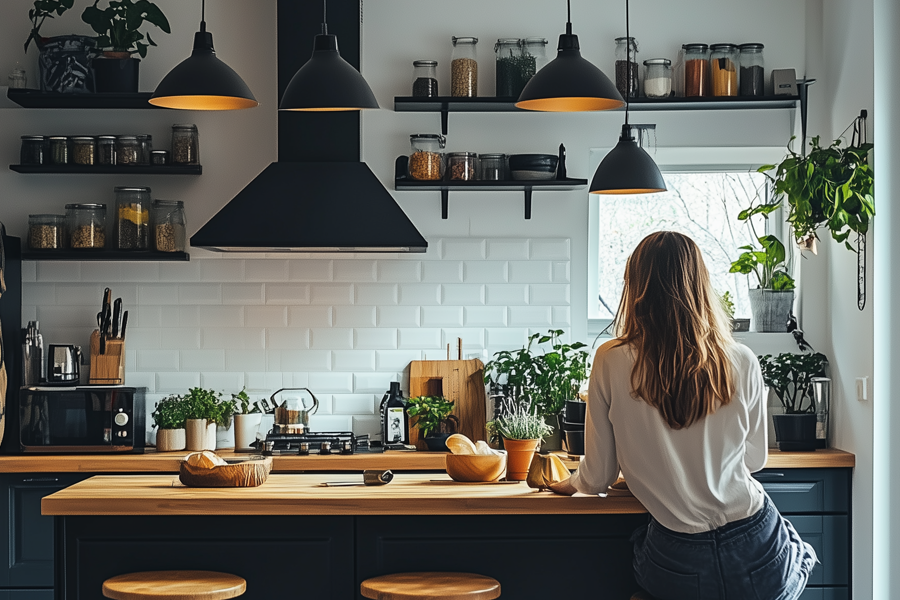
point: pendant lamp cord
(627, 58)
(568, 17)
(203, 15)
(324, 17)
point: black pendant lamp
(570, 83)
(327, 82)
(627, 169)
(202, 81)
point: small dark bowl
(575, 411)
(525, 167)
(575, 442)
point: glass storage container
(510, 64)
(159, 157)
(426, 162)
(146, 144)
(133, 218)
(820, 388)
(696, 70)
(462, 166)
(753, 71)
(535, 47)
(627, 72)
(168, 226)
(59, 150)
(464, 67)
(185, 144)
(723, 62)
(86, 225)
(106, 150)
(658, 78)
(84, 150)
(493, 167)
(46, 232)
(128, 150)
(18, 79)
(34, 150)
(425, 83)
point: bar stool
(641, 596)
(174, 585)
(431, 586)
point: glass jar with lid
(128, 150)
(132, 218)
(493, 167)
(464, 67)
(84, 150)
(146, 147)
(462, 166)
(59, 150)
(185, 144)
(46, 232)
(753, 71)
(86, 224)
(658, 78)
(425, 83)
(426, 162)
(34, 150)
(18, 79)
(106, 150)
(509, 66)
(723, 69)
(168, 226)
(627, 71)
(535, 47)
(696, 70)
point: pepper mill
(561, 169)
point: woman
(678, 406)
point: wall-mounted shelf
(37, 99)
(108, 170)
(104, 254)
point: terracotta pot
(170, 440)
(245, 428)
(520, 453)
(196, 434)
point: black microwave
(81, 419)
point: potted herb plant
(119, 37)
(522, 429)
(789, 376)
(771, 303)
(200, 412)
(169, 417)
(65, 61)
(247, 418)
(432, 417)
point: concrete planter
(770, 310)
(170, 440)
(197, 434)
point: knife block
(461, 381)
(107, 368)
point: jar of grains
(185, 145)
(425, 83)
(723, 61)
(59, 150)
(536, 48)
(426, 162)
(462, 166)
(146, 143)
(753, 72)
(128, 150)
(493, 167)
(86, 224)
(133, 218)
(168, 225)
(34, 150)
(696, 70)
(46, 232)
(464, 67)
(106, 150)
(84, 150)
(658, 78)
(627, 72)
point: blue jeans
(758, 558)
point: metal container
(63, 364)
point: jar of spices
(159, 158)
(696, 70)
(46, 232)
(509, 63)
(464, 67)
(426, 162)
(627, 73)
(59, 150)
(84, 150)
(34, 150)
(168, 225)
(132, 218)
(753, 72)
(106, 150)
(493, 167)
(723, 61)
(462, 166)
(185, 144)
(658, 78)
(537, 48)
(86, 224)
(146, 144)
(18, 79)
(425, 83)
(128, 150)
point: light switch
(862, 388)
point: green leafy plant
(118, 24)
(727, 304)
(789, 376)
(243, 405)
(768, 264)
(202, 404)
(43, 10)
(431, 412)
(169, 413)
(519, 421)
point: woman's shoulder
(742, 355)
(612, 350)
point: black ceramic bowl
(525, 167)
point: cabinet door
(26, 594)
(26, 560)
(825, 593)
(807, 490)
(829, 535)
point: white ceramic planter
(245, 428)
(225, 436)
(197, 435)
(211, 430)
(170, 440)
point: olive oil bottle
(394, 420)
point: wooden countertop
(407, 494)
(168, 462)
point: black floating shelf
(107, 255)
(109, 170)
(37, 99)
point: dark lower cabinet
(26, 594)
(825, 593)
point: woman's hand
(563, 488)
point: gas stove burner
(320, 443)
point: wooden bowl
(476, 467)
(248, 473)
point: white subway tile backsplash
(534, 271)
(463, 249)
(507, 249)
(395, 360)
(506, 294)
(319, 422)
(203, 360)
(562, 316)
(101, 272)
(399, 316)
(442, 316)
(233, 338)
(221, 270)
(397, 271)
(73, 294)
(560, 272)
(549, 294)
(331, 339)
(472, 337)
(296, 380)
(287, 294)
(302, 360)
(310, 316)
(158, 293)
(373, 383)
(245, 360)
(354, 316)
(507, 338)
(530, 316)
(242, 293)
(420, 293)
(176, 383)
(353, 404)
(370, 425)
(462, 294)
(200, 293)
(485, 316)
(353, 360)
(375, 338)
(217, 316)
(426, 339)
(266, 270)
(376, 294)
(293, 338)
(445, 271)
(486, 272)
(331, 383)
(158, 360)
(226, 383)
(141, 272)
(44, 294)
(145, 316)
(266, 316)
(354, 271)
(263, 383)
(179, 272)
(29, 271)
(140, 380)
(335, 294)
(58, 272)
(549, 249)
(187, 338)
(311, 270)
(66, 316)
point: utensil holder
(107, 368)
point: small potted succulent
(789, 376)
(169, 417)
(201, 411)
(432, 417)
(247, 417)
(521, 429)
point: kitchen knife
(117, 314)
(124, 324)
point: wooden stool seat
(174, 585)
(431, 586)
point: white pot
(771, 309)
(210, 436)
(224, 436)
(197, 436)
(170, 440)
(245, 428)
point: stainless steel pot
(63, 364)
(293, 411)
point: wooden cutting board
(461, 381)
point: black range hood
(319, 197)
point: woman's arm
(756, 448)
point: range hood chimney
(318, 197)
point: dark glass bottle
(394, 420)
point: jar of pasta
(723, 69)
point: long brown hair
(675, 322)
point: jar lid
(106, 137)
(83, 138)
(85, 207)
(131, 189)
(462, 155)
(508, 41)
(47, 217)
(719, 47)
(752, 47)
(184, 126)
(426, 136)
(695, 47)
(424, 63)
(170, 203)
(464, 40)
(57, 137)
(621, 40)
(492, 156)
(658, 61)
(534, 41)
(144, 136)
(127, 138)
(160, 152)
(33, 138)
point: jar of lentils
(133, 218)
(86, 224)
(46, 232)
(128, 150)
(426, 163)
(168, 226)
(84, 150)
(34, 150)
(464, 67)
(185, 145)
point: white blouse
(691, 480)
